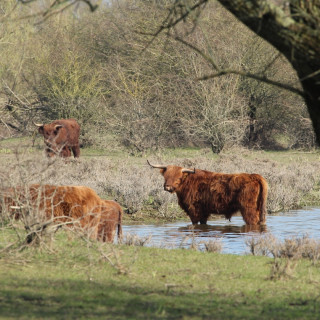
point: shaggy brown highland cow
(60, 137)
(73, 205)
(201, 193)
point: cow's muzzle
(168, 188)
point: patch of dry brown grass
(285, 253)
(291, 248)
(214, 245)
(139, 189)
(134, 240)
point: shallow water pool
(233, 234)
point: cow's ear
(41, 129)
(185, 174)
(162, 171)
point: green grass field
(82, 280)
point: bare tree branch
(255, 77)
(58, 6)
(293, 31)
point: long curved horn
(16, 207)
(189, 170)
(159, 166)
(38, 124)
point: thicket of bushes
(102, 69)
(139, 189)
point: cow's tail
(262, 200)
(120, 225)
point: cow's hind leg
(249, 203)
(107, 229)
(110, 231)
(250, 215)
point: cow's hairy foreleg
(197, 217)
(65, 152)
(194, 219)
(49, 153)
(76, 151)
(194, 222)
(204, 219)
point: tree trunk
(311, 88)
(297, 37)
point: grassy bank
(76, 279)
(293, 176)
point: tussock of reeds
(134, 240)
(214, 245)
(292, 248)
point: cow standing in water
(201, 193)
(60, 137)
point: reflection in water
(203, 230)
(233, 235)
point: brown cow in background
(201, 193)
(60, 137)
(70, 205)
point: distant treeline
(108, 72)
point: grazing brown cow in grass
(72, 205)
(60, 137)
(201, 193)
